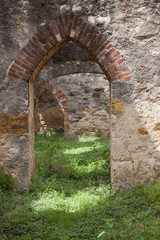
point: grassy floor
(71, 198)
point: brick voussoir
(89, 35)
(96, 42)
(30, 58)
(102, 47)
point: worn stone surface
(14, 155)
(49, 115)
(13, 124)
(117, 106)
(133, 28)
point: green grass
(71, 197)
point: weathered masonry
(31, 34)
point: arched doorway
(45, 43)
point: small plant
(98, 133)
(103, 102)
(80, 132)
(6, 181)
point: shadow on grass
(71, 163)
(127, 213)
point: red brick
(48, 27)
(86, 30)
(127, 79)
(123, 75)
(120, 61)
(36, 54)
(103, 46)
(59, 95)
(66, 105)
(106, 64)
(113, 78)
(31, 60)
(27, 72)
(38, 37)
(25, 79)
(22, 60)
(82, 27)
(48, 45)
(102, 53)
(12, 70)
(77, 30)
(112, 60)
(89, 44)
(116, 53)
(121, 66)
(24, 66)
(45, 32)
(62, 32)
(111, 66)
(54, 28)
(13, 75)
(22, 74)
(94, 36)
(42, 48)
(106, 61)
(112, 50)
(96, 41)
(22, 54)
(28, 53)
(61, 21)
(115, 74)
(66, 20)
(112, 70)
(17, 68)
(43, 38)
(51, 86)
(53, 34)
(125, 69)
(104, 38)
(75, 22)
(36, 47)
(89, 35)
(109, 46)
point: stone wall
(132, 27)
(49, 115)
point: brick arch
(57, 92)
(55, 34)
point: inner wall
(76, 76)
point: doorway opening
(75, 163)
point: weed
(98, 133)
(6, 181)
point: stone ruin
(59, 58)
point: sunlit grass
(71, 197)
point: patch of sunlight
(88, 139)
(78, 202)
(78, 150)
